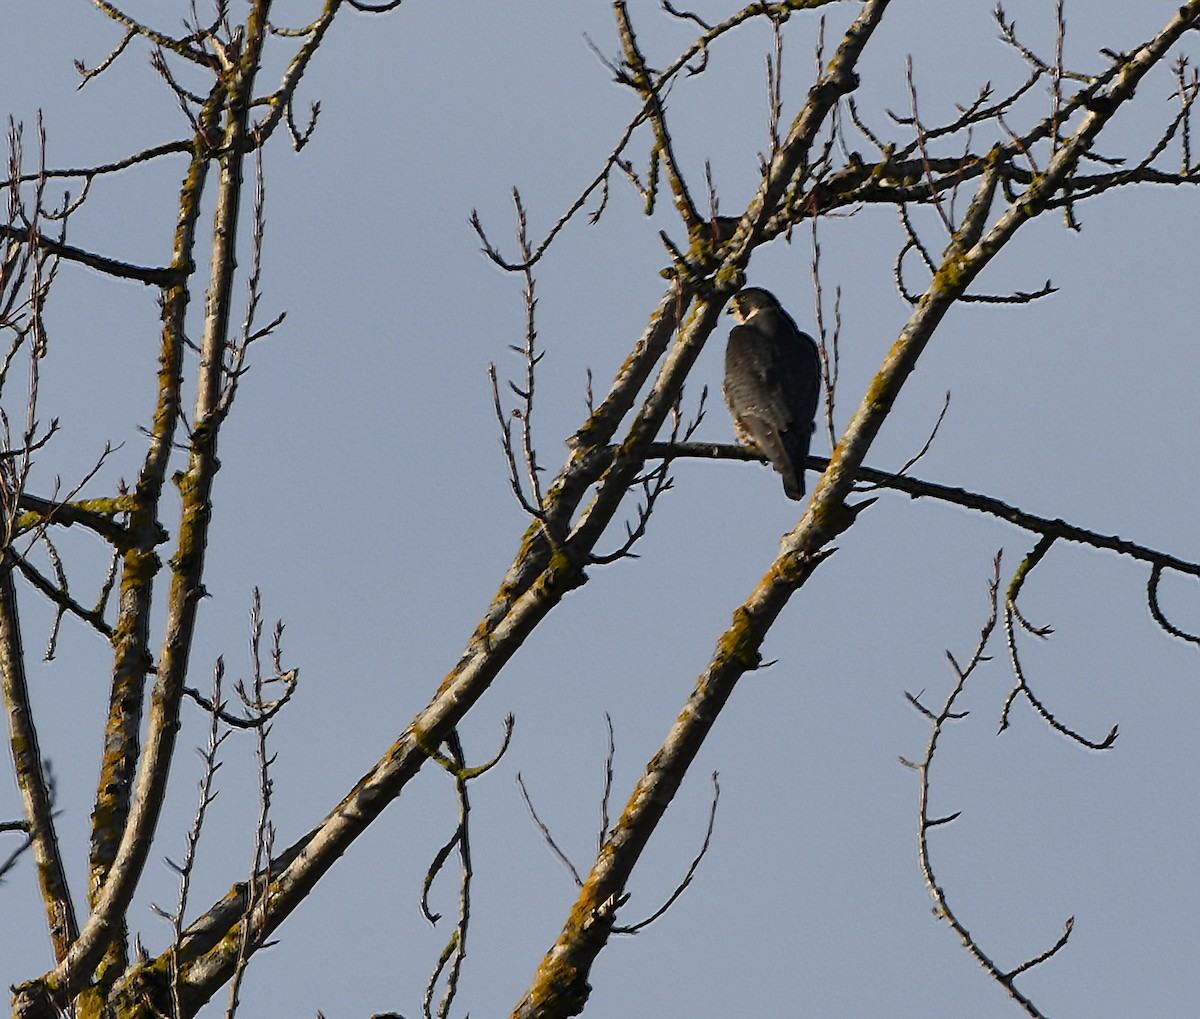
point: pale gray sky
(363, 490)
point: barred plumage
(772, 384)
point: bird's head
(748, 302)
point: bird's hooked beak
(734, 310)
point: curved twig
(691, 871)
(1157, 612)
(1012, 615)
(925, 823)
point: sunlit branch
(562, 976)
(639, 78)
(93, 514)
(281, 99)
(124, 819)
(167, 42)
(23, 291)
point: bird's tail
(793, 483)
(792, 468)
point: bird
(772, 384)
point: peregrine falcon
(772, 383)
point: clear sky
(364, 492)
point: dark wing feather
(772, 385)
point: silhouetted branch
(1011, 614)
(919, 455)
(209, 755)
(1156, 609)
(60, 597)
(252, 932)
(654, 483)
(827, 341)
(606, 798)
(546, 836)
(920, 489)
(925, 823)
(152, 276)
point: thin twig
(546, 836)
(606, 797)
(1011, 616)
(925, 822)
(691, 871)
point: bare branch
(1008, 31)
(606, 798)
(59, 596)
(599, 181)
(87, 75)
(151, 276)
(211, 765)
(181, 47)
(827, 343)
(1156, 611)
(532, 357)
(452, 956)
(920, 489)
(925, 823)
(775, 87)
(15, 855)
(658, 85)
(1022, 685)
(1052, 950)
(691, 871)
(90, 172)
(654, 483)
(509, 447)
(640, 79)
(685, 15)
(919, 455)
(252, 930)
(22, 294)
(947, 217)
(546, 836)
